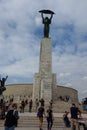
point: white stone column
(43, 81)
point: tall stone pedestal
(44, 81)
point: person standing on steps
(30, 105)
(66, 119)
(42, 102)
(74, 117)
(11, 118)
(50, 118)
(40, 114)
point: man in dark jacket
(11, 118)
(74, 116)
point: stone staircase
(34, 121)
(30, 120)
(58, 107)
(1, 123)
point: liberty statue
(46, 21)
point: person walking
(74, 117)
(81, 121)
(37, 103)
(22, 106)
(51, 103)
(50, 118)
(40, 113)
(66, 119)
(42, 102)
(11, 118)
(30, 105)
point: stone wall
(27, 89)
(65, 93)
(18, 89)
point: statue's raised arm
(42, 16)
(3, 81)
(51, 16)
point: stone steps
(36, 124)
(58, 107)
(33, 121)
(1, 123)
(28, 121)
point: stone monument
(44, 85)
(45, 80)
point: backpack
(15, 113)
(40, 112)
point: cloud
(63, 74)
(84, 92)
(85, 78)
(68, 85)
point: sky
(21, 31)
